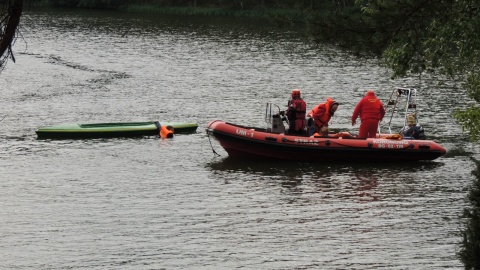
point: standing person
(319, 117)
(296, 113)
(371, 112)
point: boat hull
(110, 130)
(240, 141)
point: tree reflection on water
(469, 252)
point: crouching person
(318, 117)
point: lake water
(146, 203)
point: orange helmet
(295, 93)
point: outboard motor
(277, 124)
(275, 119)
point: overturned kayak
(251, 142)
(110, 130)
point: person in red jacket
(371, 112)
(319, 117)
(296, 113)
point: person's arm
(356, 112)
(290, 113)
(382, 111)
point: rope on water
(216, 154)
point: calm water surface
(146, 203)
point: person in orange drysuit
(296, 113)
(166, 132)
(371, 112)
(320, 115)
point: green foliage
(473, 86)
(470, 120)
(287, 5)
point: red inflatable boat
(255, 142)
(273, 143)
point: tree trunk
(12, 22)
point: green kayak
(109, 130)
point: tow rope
(216, 154)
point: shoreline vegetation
(287, 12)
(206, 11)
